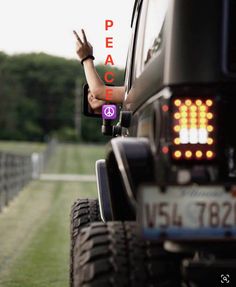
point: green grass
(24, 148)
(34, 230)
(82, 159)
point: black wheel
(111, 254)
(83, 212)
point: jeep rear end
(181, 99)
(173, 169)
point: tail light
(194, 129)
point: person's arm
(96, 85)
(94, 103)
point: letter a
(109, 60)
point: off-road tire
(112, 254)
(83, 212)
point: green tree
(37, 97)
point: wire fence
(16, 171)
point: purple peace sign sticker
(109, 112)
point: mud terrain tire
(112, 254)
(83, 212)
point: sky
(46, 26)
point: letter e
(109, 42)
(108, 96)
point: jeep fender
(128, 164)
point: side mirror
(107, 127)
(87, 110)
(112, 110)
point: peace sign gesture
(83, 48)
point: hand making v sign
(83, 48)
(97, 87)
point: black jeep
(166, 208)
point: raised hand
(83, 48)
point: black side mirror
(87, 110)
(107, 127)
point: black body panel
(194, 51)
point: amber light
(210, 128)
(188, 154)
(177, 116)
(198, 154)
(193, 108)
(209, 103)
(177, 128)
(188, 102)
(183, 114)
(210, 116)
(177, 103)
(177, 154)
(202, 108)
(198, 102)
(193, 128)
(209, 154)
(183, 108)
(177, 141)
(210, 141)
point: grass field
(23, 148)
(34, 230)
(81, 159)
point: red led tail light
(194, 129)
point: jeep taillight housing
(194, 129)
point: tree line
(38, 96)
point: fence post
(17, 170)
(1, 181)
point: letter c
(109, 79)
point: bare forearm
(95, 83)
(97, 87)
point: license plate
(190, 212)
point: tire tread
(114, 254)
(83, 212)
